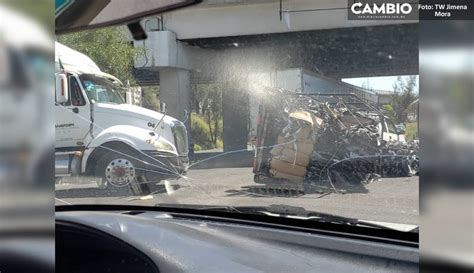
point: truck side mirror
(4, 66)
(62, 92)
(186, 116)
(128, 96)
(163, 107)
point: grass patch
(411, 130)
(201, 135)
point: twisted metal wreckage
(330, 141)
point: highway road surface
(392, 200)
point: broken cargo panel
(290, 157)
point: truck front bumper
(160, 165)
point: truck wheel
(117, 171)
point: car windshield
(284, 110)
(101, 89)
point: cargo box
(287, 168)
(291, 156)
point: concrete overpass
(338, 53)
(221, 18)
(226, 41)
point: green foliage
(219, 144)
(389, 112)
(150, 97)
(40, 10)
(201, 134)
(404, 94)
(207, 102)
(411, 130)
(197, 148)
(107, 47)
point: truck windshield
(101, 89)
(391, 127)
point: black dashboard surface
(82, 249)
(178, 244)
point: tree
(214, 110)
(366, 84)
(38, 10)
(207, 102)
(150, 97)
(388, 109)
(403, 95)
(108, 48)
(211, 107)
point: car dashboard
(154, 241)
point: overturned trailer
(327, 141)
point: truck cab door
(73, 117)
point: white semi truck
(98, 134)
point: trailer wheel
(117, 171)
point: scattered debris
(145, 197)
(171, 187)
(337, 143)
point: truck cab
(99, 134)
(390, 132)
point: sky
(379, 83)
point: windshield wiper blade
(302, 213)
(284, 211)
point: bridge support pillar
(171, 58)
(235, 111)
(175, 91)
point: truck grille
(181, 138)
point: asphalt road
(392, 200)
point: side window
(391, 127)
(76, 95)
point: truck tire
(117, 171)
